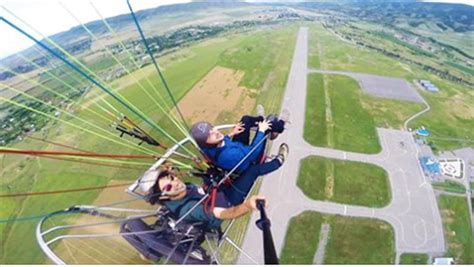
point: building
(443, 261)
(430, 165)
(428, 86)
(422, 131)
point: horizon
(28, 11)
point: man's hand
(237, 211)
(238, 128)
(252, 201)
(264, 126)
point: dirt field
(217, 98)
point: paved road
(381, 86)
(323, 240)
(413, 211)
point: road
(412, 212)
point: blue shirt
(231, 153)
(193, 195)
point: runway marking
(345, 209)
(345, 155)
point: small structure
(428, 86)
(453, 168)
(430, 165)
(443, 261)
(422, 131)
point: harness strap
(210, 202)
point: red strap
(210, 201)
(213, 198)
(227, 181)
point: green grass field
(450, 186)
(388, 113)
(457, 228)
(354, 128)
(315, 129)
(350, 241)
(302, 237)
(182, 70)
(413, 258)
(344, 182)
(350, 127)
(347, 235)
(442, 120)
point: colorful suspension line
(73, 116)
(150, 84)
(64, 191)
(97, 95)
(47, 88)
(51, 42)
(71, 155)
(34, 82)
(121, 166)
(162, 77)
(131, 74)
(57, 144)
(82, 154)
(81, 128)
(102, 87)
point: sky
(49, 17)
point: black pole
(264, 224)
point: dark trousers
(278, 126)
(239, 189)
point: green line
(98, 78)
(49, 89)
(84, 129)
(74, 116)
(112, 31)
(109, 160)
(30, 80)
(49, 72)
(126, 70)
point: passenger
(227, 151)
